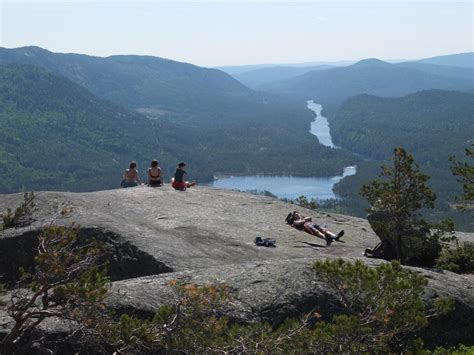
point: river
(320, 125)
(319, 188)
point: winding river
(320, 125)
(319, 188)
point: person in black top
(155, 177)
(179, 182)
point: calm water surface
(286, 186)
(291, 187)
(320, 125)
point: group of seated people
(131, 177)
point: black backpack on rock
(265, 242)
(383, 250)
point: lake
(319, 188)
(291, 187)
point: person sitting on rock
(130, 176)
(301, 222)
(154, 174)
(178, 182)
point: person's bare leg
(331, 234)
(327, 232)
(308, 227)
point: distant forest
(55, 135)
(73, 122)
(432, 125)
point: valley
(236, 177)
(220, 127)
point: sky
(223, 32)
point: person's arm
(298, 222)
(161, 176)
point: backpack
(382, 250)
(265, 242)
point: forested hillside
(432, 125)
(55, 135)
(270, 138)
(141, 81)
(370, 76)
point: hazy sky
(212, 33)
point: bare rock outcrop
(206, 235)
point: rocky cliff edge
(206, 235)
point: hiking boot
(329, 240)
(339, 235)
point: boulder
(206, 235)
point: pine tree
(466, 173)
(401, 195)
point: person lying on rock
(179, 182)
(301, 222)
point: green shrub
(383, 311)
(303, 201)
(67, 283)
(458, 350)
(459, 259)
(22, 214)
(383, 305)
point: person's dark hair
(154, 163)
(133, 165)
(180, 165)
(290, 218)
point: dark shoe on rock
(329, 240)
(339, 235)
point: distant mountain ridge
(241, 69)
(456, 59)
(449, 71)
(369, 76)
(139, 81)
(465, 60)
(257, 78)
